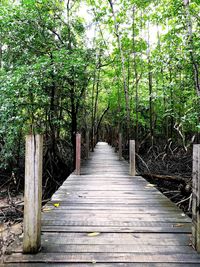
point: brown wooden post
(196, 198)
(132, 157)
(33, 194)
(78, 154)
(120, 146)
(87, 145)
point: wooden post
(33, 194)
(132, 157)
(196, 198)
(120, 146)
(78, 154)
(87, 145)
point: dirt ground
(11, 215)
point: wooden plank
(106, 193)
(110, 223)
(107, 189)
(127, 204)
(151, 202)
(165, 228)
(79, 248)
(117, 238)
(105, 258)
(97, 181)
(100, 264)
(33, 193)
(99, 199)
(114, 219)
(102, 212)
(102, 206)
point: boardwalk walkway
(106, 218)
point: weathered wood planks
(78, 154)
(132, 157)
(135, 224)
(196, 198)
(33, 193)
(101, 264)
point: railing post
(120, 146)
(132, 157)
(78, 154)
(87, 145)
(196, 198)
(33, 194)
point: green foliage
(165, 54)
(44, 72)
(52, 81)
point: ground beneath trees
(11, 214)
(171, 173)
(169, 170)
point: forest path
(104, 217)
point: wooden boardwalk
(107, 218)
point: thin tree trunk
(95, 94)
(165, 121)
(1, 54)
(171, 102)
(136, 78)
(191, 47)
(126, 93)
(73, 123)
(96, 98)
(93, 89)
(150, 79)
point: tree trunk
(1, 54)
(150, 79)
(136, 77)
(191, 47)
(126, 93)
(73, 123)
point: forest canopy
(102, 67)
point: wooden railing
(33, 188)
(33, 194)
(132, 170)
(196, 198)
(78, 154)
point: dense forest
(102, 67)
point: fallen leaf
(150, 185)
(46, 209)
(93, 234)
(56, 205)
(178, 225)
